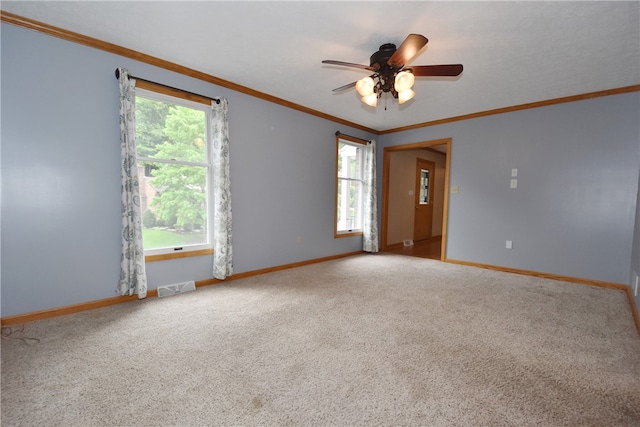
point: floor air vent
(176, 288)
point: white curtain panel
(370, 222)
(133, 278)
(222, 235)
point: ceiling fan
(391, 73)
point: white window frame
(157, 96)
(341, 230)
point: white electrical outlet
(508, 244)
(514, 183)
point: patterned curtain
(370, 222)
(133, 278)
(222, 235)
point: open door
(423, 218)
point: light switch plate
(514, 172)
(454, 189)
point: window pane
(424, 186)
(349, 203)
(349, 194)
(348, 161)
(169, 131)
(173, 204)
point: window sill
(348, 234)
(163, 257)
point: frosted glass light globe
(404, 81)
(405, 95)
(371, 100)
(365, 86)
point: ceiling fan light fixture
(405, 95)
(391, 74)
(365, 86)
(371, 100)
(404, 81)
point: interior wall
(402, 182)
(573, 211)
(60, 232)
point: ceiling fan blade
(347, 64)
(436, 70)
(345, 87)
(407, 50)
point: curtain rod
(354, 137)
(168, 87)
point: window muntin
(349, 187)
(174, 172)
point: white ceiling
(513, 52)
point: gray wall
(574, 210)
(61, 177)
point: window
(174, 172)
(349, 186)
(424, 186)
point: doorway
(389, 240)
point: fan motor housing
(379, 59)
(385, 72)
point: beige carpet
(366, 340)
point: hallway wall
(402, 180)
